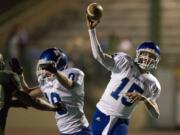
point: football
(94, 11)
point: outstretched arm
(37, 103)
(25, 86)
(18, 69)
(17, 103)
(105, 59)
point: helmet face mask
(147, 56)
(147, 60)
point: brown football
(94, 11)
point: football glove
(15, 66)
(50, 67)
(60, 106)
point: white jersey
(125, 77)
(73, 119)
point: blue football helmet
(52, 56)
(147, 56)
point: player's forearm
(24, 85)
(41, 104)
(64, 80)
(36, 93)
(17, 103)
(152, 108)
(33, 102)
(96, 50)
(103, 58)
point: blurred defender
(131, 82)
(10, 87)
(60, 83)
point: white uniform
(125, 77)
(74, 118)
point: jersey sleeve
(155, 92)
(77, 77)
(104, 59)
(121, 61)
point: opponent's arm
(105, 59)
(31, 101)
(34, 91)
(17, 103)
(37, 103)
(18, 69)
(25, 86)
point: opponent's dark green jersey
(9, 82)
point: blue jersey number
(124, 82)
(72, 76)
(54, 98)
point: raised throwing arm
(105, 59)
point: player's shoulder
(153, 80)
(74, 71)
(122, 55)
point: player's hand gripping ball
(94, 11)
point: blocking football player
(59, 83)
(10, 87)
(131, 81)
